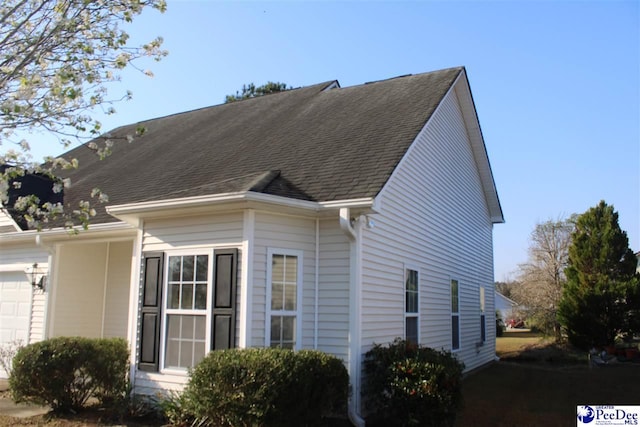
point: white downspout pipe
(354, 316)
(134, 301)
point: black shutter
(150, 311)
(223, 311)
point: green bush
(410, 385)
(64, 372)
(264, 387)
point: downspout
(134, 302)
(104, 290)
(354, 316)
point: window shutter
(224, 299)
(152, 265)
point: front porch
(89, 291)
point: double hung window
(284, 291)
(455, 315)
(483, 325)
(188, 307)
(411, 316)
(186, 315)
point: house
(322, 218)
(504, 306)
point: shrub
(64, 372)
(173, 408)
(265, 387)
(7, 352)
(409, 385)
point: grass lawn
(540, 384)
(514, 341)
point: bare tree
(506, 288)
(542, 277)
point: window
(188, 307)
(186, 316)
(483, 326)
(455, 315)
(284, 295)
(411, 306)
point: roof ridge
(444, 70)
(323, 85)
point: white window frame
(168, 311)
(404, 293)
(299, 290)
(456, 313)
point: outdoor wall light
(38, 277)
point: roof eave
(479, 148)
(132, 213)
(95, 231)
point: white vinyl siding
(38, 304)
(333, 292)
(116, 304)
(91, 290)
(222, 230)
(79, 287)
(433, 214)
(208, 231)
(328, 329)
(287, 233)
(219, 231)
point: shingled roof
(316, 143)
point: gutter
(354, 314)
(95, 230)
(132, 211)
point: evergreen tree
(601, 298)
(252, 91)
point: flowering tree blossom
(56, 59)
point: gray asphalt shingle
(307, 143)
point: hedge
(410, 385)
(265, 387)
(65, 372)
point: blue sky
(556, 84)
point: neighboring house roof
(504, 301)
(317, 143)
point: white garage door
(15, 307)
